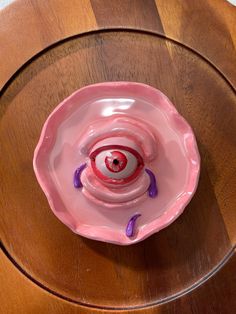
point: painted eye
(116, 163)
(116, 160)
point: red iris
(116, 161)
(116, 164)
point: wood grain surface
(19, 295)
(131, 40)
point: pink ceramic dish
(101, 153)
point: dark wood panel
(206, 26)
(133, 13)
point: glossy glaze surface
(139, 114)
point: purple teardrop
(131, 224)
(152, 189)
(77, 174)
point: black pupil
(115, 161)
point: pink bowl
(168, 144)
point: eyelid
(124, 127)
(119, 141)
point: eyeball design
(116, 164)
(115, 161)
(114, 176)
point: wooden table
(49, 49)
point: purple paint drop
(130, 225)
(77, 174)
(152, 189)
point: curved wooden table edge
(85, 27)
(113, 29)
(229, 258)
